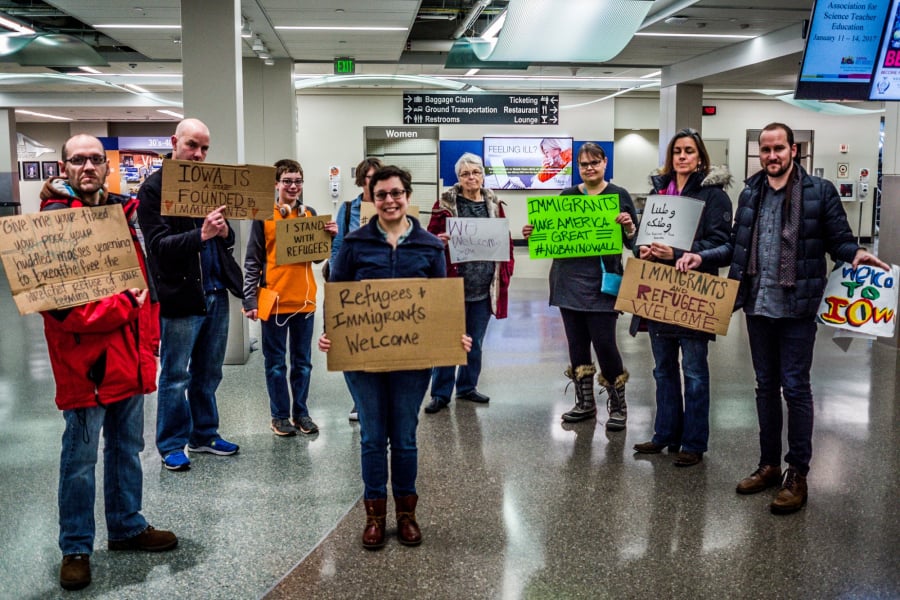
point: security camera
(132, 65)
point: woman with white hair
(485, 283)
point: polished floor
(513, 504)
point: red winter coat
(100, 352)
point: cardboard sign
(661, 293)
(65, 258)
(478, 239)
(367, 213)
(395, 324)
(568, 226)
(302, 239)
(194, 189)
(862, 300)
(670, 220)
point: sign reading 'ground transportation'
(395, 324)
(568, 226)
(436, 108)
(691, 299)
(194, 189)
(68, 257)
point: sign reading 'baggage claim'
(435, 108)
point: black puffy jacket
(824, 228)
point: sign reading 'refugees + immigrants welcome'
(568, 226)
(395, 324)
(68, 257)
(194, 189)
(691, 299)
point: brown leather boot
(763, 478)
(407, 529)
(792, 495)
(376, 512)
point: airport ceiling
(150, 58)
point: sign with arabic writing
(670, 220)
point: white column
(9, 164)
(213, 93)
(680, 106)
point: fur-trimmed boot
(615, 402)
(376, 514)
(585, 406)
(407, 528)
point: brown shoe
(149, 540)
(688, 459)
(407, 529)
(651, 448)
(373, 534)
(792, 495)
(75, 571)
(763, 478)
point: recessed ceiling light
(336, 28)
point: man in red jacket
(103, 364)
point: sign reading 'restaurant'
(691, 299)
(194, 189)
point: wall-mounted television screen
(841, 49)
(527, 163)
(886, 81)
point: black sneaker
(306, 425)
(283, 427)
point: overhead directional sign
(436, 108)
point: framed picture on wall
(31, 170)
(49, 168)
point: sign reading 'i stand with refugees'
(436, 108)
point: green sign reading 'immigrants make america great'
(436, 108)
(567, 226)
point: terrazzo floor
(513, 504)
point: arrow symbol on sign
(407, 118)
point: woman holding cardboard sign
(682, 417)
(584, 289)
(284, 297)
(392, 246)
(486, 283)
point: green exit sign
(344, 66)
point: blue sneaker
(216, 446)
(177, 461)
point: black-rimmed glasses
(97, 159)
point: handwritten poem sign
(302, 239)
(64, 258)
(567, 226)
(861, 300)
(661, 293)
(478, 239)
(193, 189)
(670, 220)
(395, 324)
(367, 212)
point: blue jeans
(192, 350)
(681, 419)
(388, 405)
(299, 328)
(478, 315)
(782, 352)
(123, 433)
